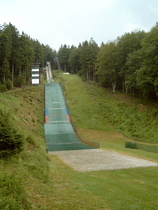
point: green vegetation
(93, 107)
(127, 64)
(18, 52)
(22, 174)
(11, 141)
(116, 189)
(34, 180)
(29, 178)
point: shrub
(2, 88)
(11, 141)
(8, 84)
(18, 82)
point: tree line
(129, 63)
(18, 53)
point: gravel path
(98, 159)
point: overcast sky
(56, 22)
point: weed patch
(13, 195)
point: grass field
(34, 180)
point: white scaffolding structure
(49, 72)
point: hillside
(96, 108)
(33, 180)
(23, 174)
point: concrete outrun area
(98, 159)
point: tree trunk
(65, 67)
(58, 64)
(126, 88)
(94, 78)
(114, 86)
(12, 75)
(19, 73)
(123, 87)
(26, 69)
(87, 75)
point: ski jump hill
(59, 132)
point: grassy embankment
(22, 176)
(101, 116)
(32, 180)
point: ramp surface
(59, 132)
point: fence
(145, 147)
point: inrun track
(59, 132)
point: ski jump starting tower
(49, 72)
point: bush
(18, 82)
(8, 84)
(2, 88)
(11, 141)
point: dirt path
(98, 159)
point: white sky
(56, 22)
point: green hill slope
(96, 108)
(21, 175)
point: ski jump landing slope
(59, 132)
